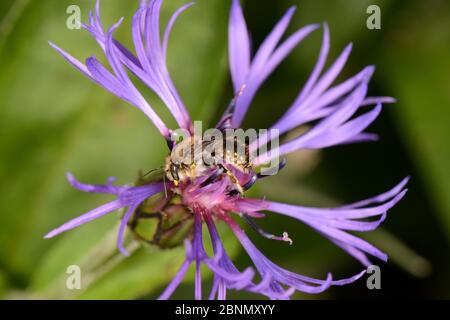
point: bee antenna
(148, 172)
(281, 165)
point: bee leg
(250, 182)
(234, 180)
(263, 233)
(281, 165)
(245, 187)
(213, 177)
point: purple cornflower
(216, 192)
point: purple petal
(198, 281)
(268, 46)
(344, 132)
(127, 197)
(347, 109)
(377, 100)
(362, 137)
(328, 78)
(157, 60)
(394, 192)
(349, 239)
(94, 188)
(238, 46)
(76, 63)
(332, 222)
(337, 92)
(106, 79)
(223, 266)
(139, 44)
(112, 57)
(343, 224)
(170, 25)
(133, 93)
(89, 216)
(123, 225)
(329, 130)
(257, 66)
(301, 113)
(179, 276)
(343, 282)
(279, 275)
(98, 22)
(318, 67)
(214, 287)
(222, 294)
(284, 49)
(355, 253)
(156, 77)
(336, 213)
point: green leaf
(54, 120)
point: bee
(195, 157)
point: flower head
(212, 188)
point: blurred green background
(54, 120)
